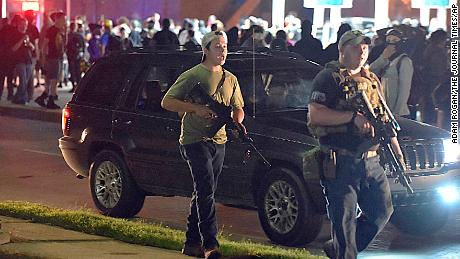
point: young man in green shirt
(204, 153)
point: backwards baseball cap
(210, 36)
(395, 32)
(56, 15)
(354, 37)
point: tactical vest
(348, 86)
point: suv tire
(285, 211)
(113, 191)
(425, 220)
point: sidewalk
(31, 240)
(21, 239)
(32, 110)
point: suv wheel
(285, 211)
(112, 188)
(420, 221)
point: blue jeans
(360, 182)
(24, 72)
(205, 160)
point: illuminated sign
(328, 3)
(30, 5)
(429, 3)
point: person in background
(211, 20)
(395, 69)
(435, 68)
(378, 45)
(148, 33)
(191, 43)
(34, 36)
(4, 52)
(135, 35)
(75, 51)
(95, 47)
(257, 39)
(233, 38)
(331, 53)
(309, 47)
(7, 64)
(183, 32)
(42, 50)
(54, 56)
(104, 39)
(22, 49)
(166, 39)
(280, 42)
(126, 42)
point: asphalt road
(34, 170)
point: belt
(370, 154)
(365, 155)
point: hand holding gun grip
(384, 130)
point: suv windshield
(266, 91)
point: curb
(5, 237)
(31, 113)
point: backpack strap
(398, 65)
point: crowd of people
(411, 65)
(404, 66)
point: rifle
(384, 128)
(224, 117)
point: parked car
(116, 133)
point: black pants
(205, 160)
(74, 69)
(7, 71)
(360, 182)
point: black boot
(10, 96)
(41, 100)
(328, 248)
(51, 104)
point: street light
(278, 7)
(3, 8)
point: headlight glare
(451, 151)
(449, 194)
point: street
(34, 170)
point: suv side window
(154, 85)
(150, 96)
(275, 90)
(105, 84)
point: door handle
(119, 121)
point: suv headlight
(451, 151)
(449, 194)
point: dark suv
(117, 134)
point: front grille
(426, 155)
(418, 198)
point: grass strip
(136, 232)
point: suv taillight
(66, 121)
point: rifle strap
(219, 86)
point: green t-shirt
(194, 128)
